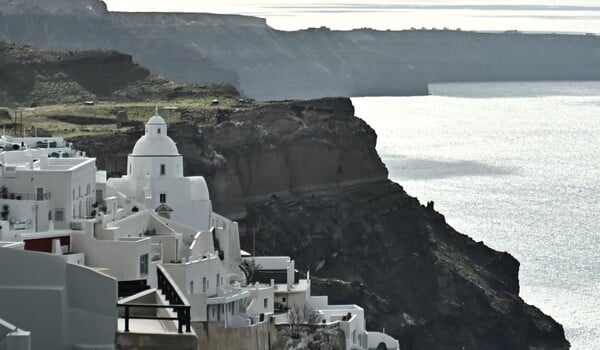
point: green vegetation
(80, 93)
(74, 119)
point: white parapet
(13, 338)
(376, 338)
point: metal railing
(182, 318)
(169, 288)
(26, 196)
(176, 300)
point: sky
(574, 16)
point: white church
(155, 178)
(90, 262)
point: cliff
(304, 179)
(307, 178)
(37, 77)
(266, 64)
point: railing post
(188, 319)
(179, 320)
(126, 318)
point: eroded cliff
(305, 180)
(33, 77)
(265, 63)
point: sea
(514, 164)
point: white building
(151, 225)
(63, 305)
(36, 189)
(56, 147)
(155, 178)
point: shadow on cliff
(304, 179)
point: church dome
(155, 142)
(156, 120)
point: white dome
(155, 142)
(155, 146)
(156, 120)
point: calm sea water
(515, 165)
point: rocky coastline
(267, 64)
(304, 179)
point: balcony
(25, 196)
(144, 312)
(229, 293)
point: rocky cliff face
(263, 63)
(306, 180)
(36, 77)
(268, 64)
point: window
(163, 198)
(79, 191)
(87, 190)
(204, 285)
(265, 302)
(158, 131)
(50, 216)
(73, 193)
(39, 193)
(191, 287)
(59, 214)
(218, 281)
(162, 169)
(144, 264)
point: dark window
(159, 131)
(265, 302)
(39, 193)
(60, 215)
(144, 264)
(162, 169)
(163, 198)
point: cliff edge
(265, 63)
(305, 180)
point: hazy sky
(579, 16)
(122, 4)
